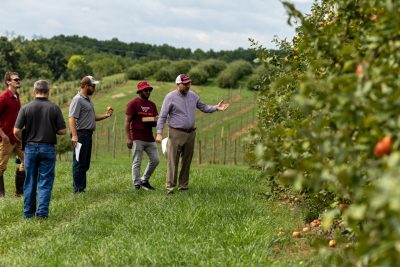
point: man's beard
(144, 96)
(184, 91)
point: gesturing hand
(221, 106)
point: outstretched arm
(105, 116)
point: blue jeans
(137, 150)
(80, 168)
(40, 162)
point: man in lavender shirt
(178, 111)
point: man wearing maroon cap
(9, 108)
(178, 111)
(140, 117)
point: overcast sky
(204, 24)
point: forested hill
(57, 58)
(80, 45)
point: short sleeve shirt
(82, 109)
(139, 108)
(41, 119)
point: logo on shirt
(145, 109)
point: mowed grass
(222, 221)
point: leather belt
(185, 130)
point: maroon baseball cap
(183, 78)
(143, 85)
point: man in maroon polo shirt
(9, 108)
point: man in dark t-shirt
(42, 120)
(140, 117)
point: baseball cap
(143, 85)
(183, 78)
(88, 80)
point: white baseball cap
(183, 78)
(89, 80)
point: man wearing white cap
(178, 111)
(82, 123)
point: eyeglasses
(16, 80)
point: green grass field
(222, 221)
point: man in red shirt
(9, 108)
(140, 117)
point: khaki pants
(180, 145)
(6, 151)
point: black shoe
(137, 186)
(147, 186)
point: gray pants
(137, 150)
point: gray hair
(41, 87)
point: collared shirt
(178, 110)
(42, 120)
(82, 109)
(9, 108)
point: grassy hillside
(214, 130)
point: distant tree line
(67, 58)
(80, 45)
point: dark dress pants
(79, 168)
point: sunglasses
(16, 80)
(147, 91)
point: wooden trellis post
(199, 148)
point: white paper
(164, 145)
(77, 150)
